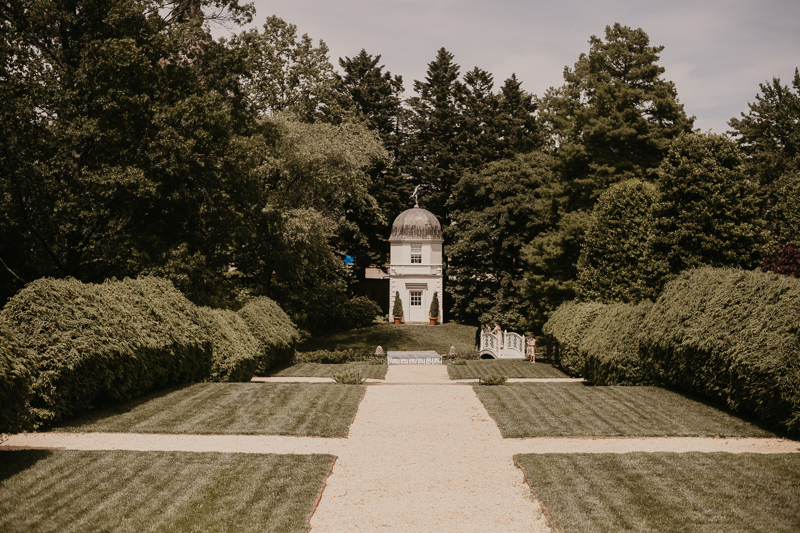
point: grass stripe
(317, 370)
(125, 491)
(511, 369)
(667, 492)
(308, 409)
(570, 410)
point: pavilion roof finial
(415, 196)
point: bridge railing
(490, 344)
(515, 343)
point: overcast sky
(716, 51)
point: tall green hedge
(733, 336)
(274, 331)
(236, 351)
(729, 335)
(109, 342)
(610, 346)
(14, 384)
(568, 326)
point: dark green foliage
(433, 312)
(397, 308)
(616, 264)
(495, 213)
(614, 117)
(327, 357)
(708, 211)
(610, 346)
(551, 260)
(769, 137)
(731, 336)
(89, 344)
(14, 384)
(236, 351)
(359, 312)
(569, 326)
(275, 333)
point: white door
(416, 303)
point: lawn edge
(535, 495)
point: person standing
(532, 348)
(499, 334)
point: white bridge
(503, 346)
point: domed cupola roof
(416, 224)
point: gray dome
(416, 224)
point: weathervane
(415, 195)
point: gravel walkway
(419, 457)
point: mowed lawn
(573, 409)
(307, 409)
(511, 369)
(667, 492)
(132, 492)
(317, 370)
(396, 338)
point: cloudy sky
(716, 51)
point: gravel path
(419, 457)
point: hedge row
(14, 384)
(274, 332)
(66, 346)
(236, 351)
(110, 342)
(728, 335)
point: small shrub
(459, 361)
(349, 377)
(397, 310)
(434, 310)
(492, 380)
(273, 330)
(359, 312)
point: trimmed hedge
(334, 357)
(733, 336)
(97, 343)
(728, 335)
(568, 326)
(236, 351)
(14, 385)
(273, 330)
(359, 312)
(610, 346)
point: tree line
(135, 143)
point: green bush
(236, 351)
(610, 346)
(397, 310)
(349, 377)
(273, 330)
(459, 361)
(359, 312)
(335, 357)
(433, 312)
(97, 343)
(568, 326)
(730, 335)
(14, 385)
(492, 380)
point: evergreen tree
(374, 95)
(769, 136)
(708, 213)
(495, 212)
(616, 264)
(615, 116)
(516, 125)
(434, 157)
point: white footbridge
(505, 345)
